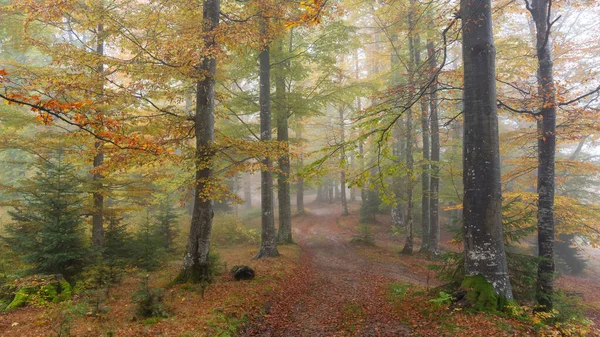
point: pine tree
(165, 225)
(148, 252)
(47, 230)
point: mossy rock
(481, 294)
(19, 300)
(65, 290)
(40, 290)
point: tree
(98, 196)
(434, 208)
(343, 163)
(196, 262)
(300, 184)
(540, 11)
(284, 235)
(165, 224)
(268, 244)
(425, 166)
(408, 246)
(482, 202)
(47, 230)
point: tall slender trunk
(247, 190)
(343, 164)
(397, 211)
(425, 174)
(331, 191)
(434, 221)
(540, 10)
(300, 183)
(363, 190)
(97, 216)
(408, 246)
(284, 235)
(482, 201)
(268, 245)
(195, 262)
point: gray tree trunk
(425, 174)
(247, 190)
(284, 235)
(268, 245)
(546, 153)
(195, 262)
(408, 246)
(397, 211)
(434, 221)
(343, 164)
(97, 216)
(482, 201)
(300, 184)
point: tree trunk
(343, 165)
(268, 245)
(247, 191)
(546, 153)
(408, 246)
(434, 221)
(397, 211)
(97, 216)
(300, 184)
(482, 201)
(196, 267)
(284, 235)
(425, 174)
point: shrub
(228, 231)
(149, 301)
(364, 236)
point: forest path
(338, 292)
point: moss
(481, 294)
(21, 298)
(48, 293)
(65, 290)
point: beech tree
(540, 11)
(268, 242)
(196, 263)
(482, 201)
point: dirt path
(339, 293)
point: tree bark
(540, 9)
(434, 221)
(247, 191)
(425, 174)
(408, 246)
(343, 164)
(397, 211)
(300, 184)
(284, 235)
(97, 216)
(268, 245)
(482, 201)
(196, 267)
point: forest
(299, 168)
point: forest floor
(323, 286)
